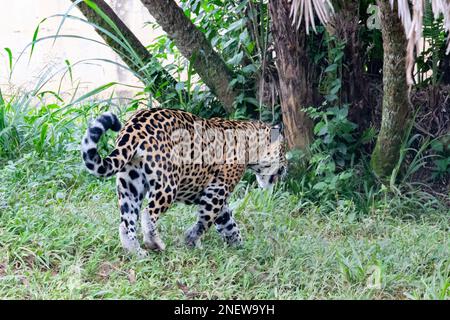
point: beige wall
(19, 19)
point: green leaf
(442, 164)
(43, 134)
(342, 148)
(35, 35)
(236, 25)
(8, 50)
(338, 57)
(228, 43)
(331, 68)
(320, 186)
(2, 101)
(250, 47)
(318, 126)
(345, 175)
(69, 68)
(233, 82)
(342, 113)
(331, 97)
(252, 101)
(335, 89)
(249, 68)
(323, 131)
(437, 146)
(57, 96)
(236, 59)
(94, 92)
(244, 37)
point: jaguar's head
(272, 164)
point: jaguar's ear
(278, 127)
(277, 132)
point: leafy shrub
(330, 166)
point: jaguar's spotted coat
(169, 155)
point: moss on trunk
(395, 113)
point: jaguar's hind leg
(160, 198)
(131, 193)
(152, 239)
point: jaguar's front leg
(227, 227)
(210, 204)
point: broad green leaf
(236, 59)
(236, 25)
(249, 68)
(251, 100)
(331, 68)
(335, 89)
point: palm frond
(413, 24)
(412, 20)
(403, 12)
(442, 7)
(308, 9)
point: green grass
(59, 240)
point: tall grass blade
(8, 51)
(35, 35)
(69, 68)
(64, 16)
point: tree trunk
(395, 112)
(194, 46)
(344, 25)
(160, 83)
(293, 66)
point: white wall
(18, 21)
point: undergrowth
(355, 238)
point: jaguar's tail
(102, 167)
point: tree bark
(344, 25)
(395, 113)
(292, 65)
(194, 46)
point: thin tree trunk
(194, 46)
(160, 83)
(395, 112)
(292, 65)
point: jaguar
(164, 156)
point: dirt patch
(189, 293)
(105, 270)
(2, 269)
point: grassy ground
(58, 239)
